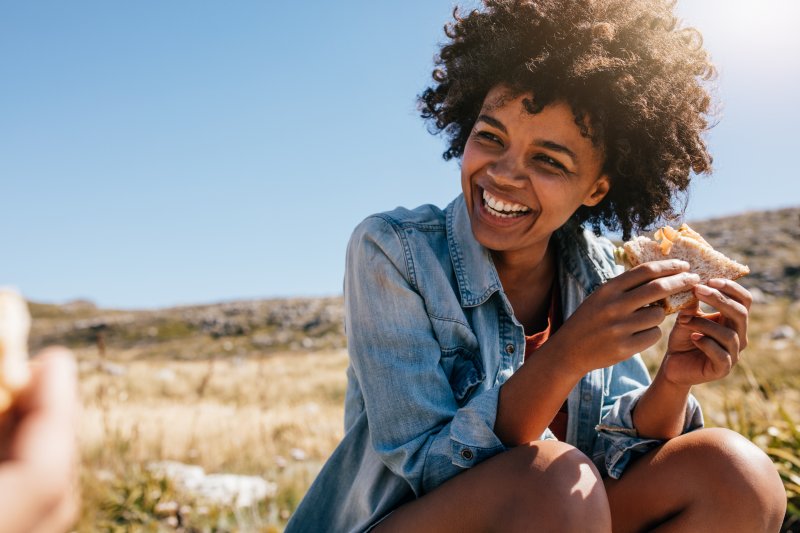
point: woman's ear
(598, 191)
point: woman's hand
(38, 475)
(704, 347)
(617, 320)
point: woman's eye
(550, 162)
(489, 137)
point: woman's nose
(506, 170)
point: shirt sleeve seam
(408, 262)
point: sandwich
(14, 327)
(687, 245)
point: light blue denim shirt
(432, 338)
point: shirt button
(509, 349)
(466, 454)
(587, 397)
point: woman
(494, 382)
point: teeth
(503, 209)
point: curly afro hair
(624, 66)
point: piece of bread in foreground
(15, 324)
(686, 244)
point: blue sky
(162, 153)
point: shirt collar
(475, 271)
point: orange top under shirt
(533, 342)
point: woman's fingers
(649, 271)
(641, 340)
(660, 288)
(650, 282)
(721, 360)
(648, 317)
(726, 339)
(734, 290)
(731, 310)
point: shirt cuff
(472, 436)
(620, 442)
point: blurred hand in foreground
(38, 453)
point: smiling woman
(537, 170)
(494, 380)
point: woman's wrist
(533, 395)
(661, 411)
(662, 382)
(562, 361)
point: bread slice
(686, 244)
(15, 324)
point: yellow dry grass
(277, 417)
(280, 416)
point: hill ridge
(767, 241)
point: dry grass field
(276, 417)
(279, 416)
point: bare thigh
(542, 486)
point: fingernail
(717, 283)
(684, 319)
(702, 289)
(696, 336)
(682, 264)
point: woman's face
(524, 175)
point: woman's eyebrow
(554, 146)
(492, 122)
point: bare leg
(706, 480)
(543, 486)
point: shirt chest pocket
(460, 358)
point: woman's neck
(527, 280)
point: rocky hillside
(768, 241)
(232, 328)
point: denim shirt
(432, 338)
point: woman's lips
(497, 218)
(502, 208)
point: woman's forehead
(503, 97)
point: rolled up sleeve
(416, 425)
(618, 440)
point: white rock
(113, 369)
(166, 375)
(241, 491)
(779, 345)
(185, 475)
(297, 454)
(783, 332)
(758, 295)
(216, 489)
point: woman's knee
(739, 469)
(561, 484)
